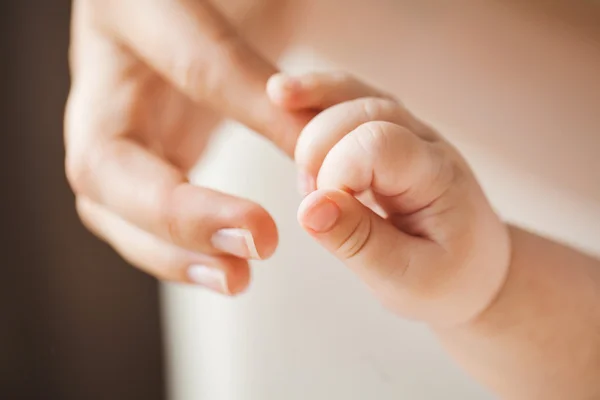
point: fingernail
(235, 241)
(321, 216)
(208, 277)
(306, 183)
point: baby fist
(434, 250)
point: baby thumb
(372, 247)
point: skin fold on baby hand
(393, 200)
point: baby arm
(540, 338)
(519, 312)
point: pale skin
(142, 105)
(385, 192)
(521, 313)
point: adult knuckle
(202, 71)
(170, 217)
(75, 173)
(224, 36)
(191, 72)
(81, 155)
(202, 74)
(88, 218)
(172, 268)
(83, 213)
(81, 167)
(73, 163)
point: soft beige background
(515, 85)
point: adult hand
(146, 77)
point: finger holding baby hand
(318, 90)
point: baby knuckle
(371, 137)
(374, 108)
(377, 130)
(357, 240)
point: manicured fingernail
(211, 278)
(322, 215)
(235, 241)
(306, 183)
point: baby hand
(428, 244)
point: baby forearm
(540, 339)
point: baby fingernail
(235, 241)
(321, 216)
(208, 277)
(306, 183)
